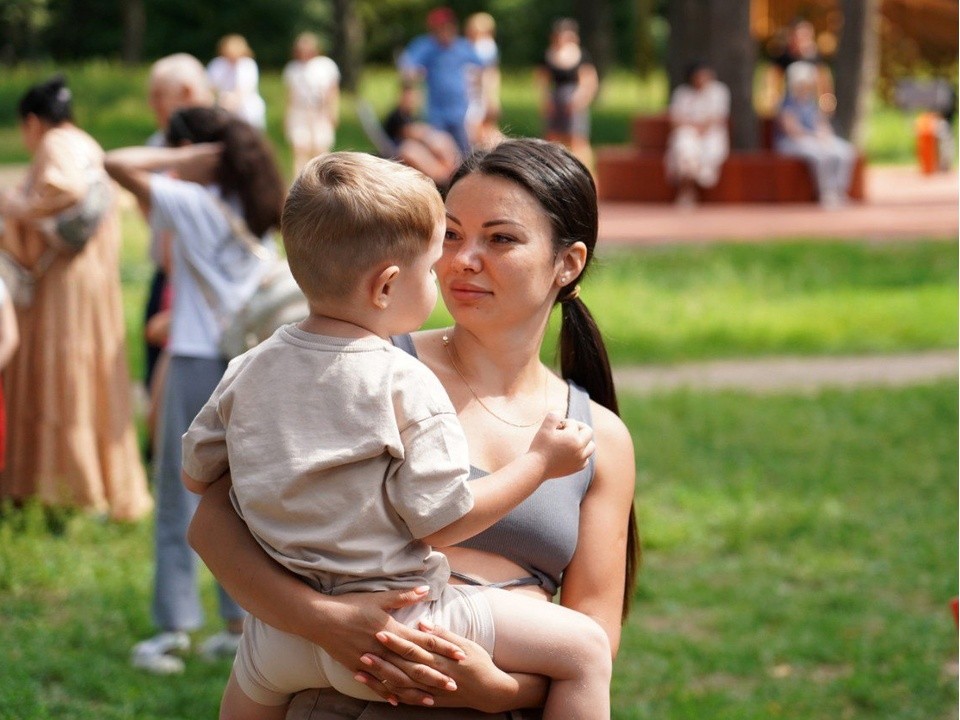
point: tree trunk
(855, 66)
(688, 37)
(717, 32)
(134, 25)
(733, 54)
(596, 31)
(347, 43)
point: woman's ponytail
(584, 360)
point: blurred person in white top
(699, 140)
(235, 78)
(312, 81)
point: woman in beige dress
(71, 440)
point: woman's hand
(354, 633)
(476, 682)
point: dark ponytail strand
(584, 360)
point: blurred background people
(235, 78)
(483, 112)
(9, 341)
(176, 81)
(433, 152)
(217, 172)
(699, 139)
(442, 59)
(798, 43)
(71, 439)
(568, 83)
(312, 82)
(804, 130)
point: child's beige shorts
(272, 665)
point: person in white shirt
(235, 78)
(312, 81)
(699, 140)
(215, 171)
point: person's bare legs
(236, 705)
(537, 637)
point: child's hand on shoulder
(564, 444)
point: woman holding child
(521, 230)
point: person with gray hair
(804, 131)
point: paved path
(901, 204)
(791, 374)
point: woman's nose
(467, 256)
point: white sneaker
(221, 646)
(157, 655)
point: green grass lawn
(800, 553)
(704, 302)
(110, 102)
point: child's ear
(381, 286)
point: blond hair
(480, 23)
(234, 46)
(181, 70)
(347, 212)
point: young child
(348, 461)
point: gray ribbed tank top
(540, 534)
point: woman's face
(31, 132)
(498, 263)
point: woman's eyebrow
(503, 221)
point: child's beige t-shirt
(342, 452)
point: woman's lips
(466, 291)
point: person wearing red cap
(442, 59)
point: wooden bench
(636, 172)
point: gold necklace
(456, 366)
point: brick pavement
(901, 204)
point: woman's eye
(503, 239)
(449, 236)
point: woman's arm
(593, 581)
(791, 125)
(333, 104)
(131, 167)
(344, 625)
(9, 334)
(588, 82)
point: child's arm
(560, 447)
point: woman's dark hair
(693, 68)
(51, 101)
(566, 191)
(565, 24)
(247, 167)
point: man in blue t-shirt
(442, 59)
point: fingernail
(360, 677)
(381, 636)
(451, 686)
(428, 626)
(366, 660)
(428, 701)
